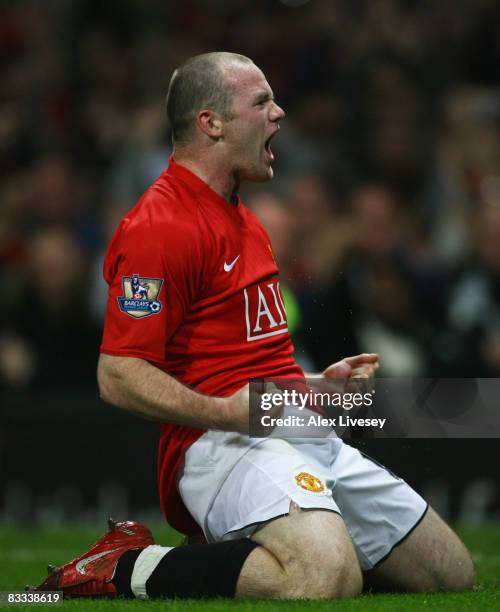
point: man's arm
(139, 387)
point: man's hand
(359, 366)
(235, 412)
(359, 369)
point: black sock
(123, 573)
(196, 571)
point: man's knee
(316, 554)
(432, 558)
(336, 579)
(456, 575)
(459, 575)
(319, 573)
(451, 567)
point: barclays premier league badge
(140, 295)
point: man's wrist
(222, 413)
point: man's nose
(277, 113)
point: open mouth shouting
(267, 145)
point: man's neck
(214, 174)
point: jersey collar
(195, 183)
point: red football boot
(90, 574)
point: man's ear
(210, 123)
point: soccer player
(195, 312)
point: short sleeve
(152, 270)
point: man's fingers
(338, 370)
(368, 358)
(364, 371)
(358, 366)
(363, 378)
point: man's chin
(261, 175)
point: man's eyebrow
(264, 95)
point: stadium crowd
(385, 210)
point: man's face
(254, 120)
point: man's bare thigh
(315, 552)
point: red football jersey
(194, 290)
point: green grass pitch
(24, 556)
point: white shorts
(231, 484)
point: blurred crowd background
(384, 213)
(385, 209)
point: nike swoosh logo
(230, 266)
(81, 565)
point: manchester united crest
(140, 296)
(308, 482)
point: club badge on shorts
(310, 483)
(140, 295)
